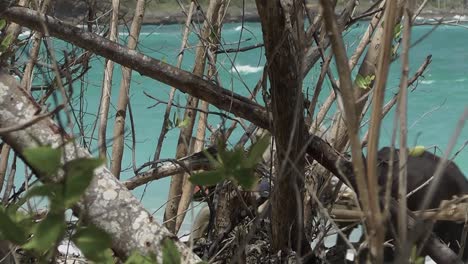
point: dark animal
(420, 169)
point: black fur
(420, 169)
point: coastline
(76, 14)
(251, 15)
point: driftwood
(107, 203)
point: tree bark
(119, 126)
(164, 128)
(215, 22)
(10, 182)
(5, 153)
(283, 34)
(107, 85)
(184, 81)
(175, 191)
(34, 52)
(107, 203)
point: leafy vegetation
(41, 238)
(233, 165)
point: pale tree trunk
(26, 84)
(199, 140)
(175, 191)
(106, 203)
(337, 135)
(283, 34)
(34, 52)
(368, 68)
(14, 30)
(119, 126)
(107, 84)
(10, 182)
(402, 113)
(376, 228)
(164, 127)
(3, 164)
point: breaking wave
(246, 69)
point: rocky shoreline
(252, 16)
(76, 13)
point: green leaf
(231, 160)
(44, 159)
(369, 79)
(53, 191)
(170, 253)
(245, 178)
(183, 123)
(47, 190)
(364, 82)
(6, 42)
(2, 24)
(257, 150)
(104, 257)
(361, 82)
(78, 176)
(137, 258)
(414, 258)
(11, 230)
(48, 233)
(416, 151)
(207, 178)
(92, 241)
(397, 30)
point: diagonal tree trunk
(283, 34)
(107, 203)
(119, 126)
(107, 85)
(175, 191)
(14, 30)
(199, 140)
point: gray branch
(107, 203)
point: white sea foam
(25, 34)
(460, 80)
(238, 28)
(427, 81)
(141, 34)
(246, 69)
(460, 17)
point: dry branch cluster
(318, 188)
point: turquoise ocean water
(434, 107)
